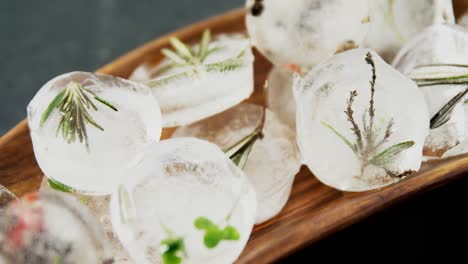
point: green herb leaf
(444, 114)
(52, 106)
(73, 103)
(58, 186)
(174, 250)
(181, 48)
(388, 154)
(226, 65)
(230, 233)
(173, 56)
(204, 43)
(341, 136)
(213, 233)
(203, 223)
(212, 237)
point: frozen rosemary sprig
(443, 74)
(74, 103)
(368, 141)
(240, 151)
(183, 55)
(194, 58)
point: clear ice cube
(192, 92)
(438, 44)
(305, 32)
(98, 206)
(393, 23)
(50, 228)
(280, 96)
(354, 141)
(95, 166)
(273, 161)
(179, 181)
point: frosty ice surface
(394, 22)
(273, 161)
(98, 206)
(185, 200)
(195, 82)
(435, 59)
(280, 96)
(353, 127)
(50, 228)
(304, 32)
(87, 148)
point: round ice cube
(88, 148)
(187, 201)
(273, 161)
(305, 32)
(280, 95)
(50, 228)
(432, 59)
(438, 44)
(191, 86)
(354, 126)
(394, 22)
(98, 206)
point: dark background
(40, 39)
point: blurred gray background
(43, 38)
(40, 39)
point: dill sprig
(366, 146)
(74, 103)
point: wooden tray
(314, 210)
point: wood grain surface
(313, 211)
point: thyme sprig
(74, 103)
(368, 141)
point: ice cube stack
(333, 104)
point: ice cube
(98, 206)
(186, 200)
(305, 32)
(354, 129)
(438, 44)
(50, 228)
(395, 22)
(432, 59)
(190, 87)
(273, 161)
(280, 96)
(5, 197)
(90, 155)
